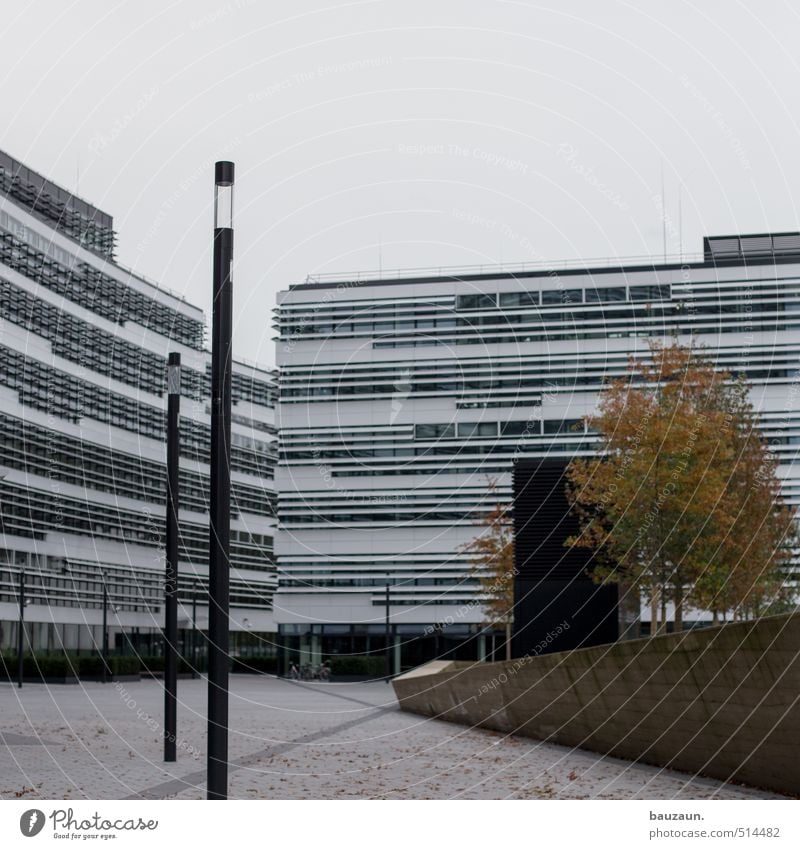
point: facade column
(398, 648)
(305, 650)
(316, 649)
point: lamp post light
(220, 514)
(171, 583)
(21, 630)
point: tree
(493, 566)
(669, 503)
(755, 532)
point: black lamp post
(388, 638)
(21, 629)
(194, 634)
(171, 585)
(105, 630)
(220, 496)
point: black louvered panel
(557, 606)
(542, 523)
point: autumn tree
(681, 500)
(493, 565)
(751, 541)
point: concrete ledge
(722, 702)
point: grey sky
(405, 133)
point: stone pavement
(295, 741)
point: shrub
(89, 667)
(358, 665)
(92, 666)
(151, 663)
(254, 664)
(124, 665)
(39, 666)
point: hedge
(66, 666)
(92, 666)
(254, 664)
(151, 663)
(358, 665)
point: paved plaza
(295, 741)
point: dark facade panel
(557, 606)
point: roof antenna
(380, 256)
(680, 220)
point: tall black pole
(21, 630)
(220, 496)
(105, 630)
(388, 639)
(171, 586)
(194, 633)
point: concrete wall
(722, 702)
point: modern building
(402, 398)
(83, 346)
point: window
(476, 302)
(477, 429)
(605, 296)
(563, 296)
(526, 428)
(519, 299)
(649, 293)
(434, 431)
(563, 426)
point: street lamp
(105, 629)
(388, 637)
(194, 634)
(220, 496)
(23, 603)
(171, 583)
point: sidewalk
(295, 741)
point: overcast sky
(414, 133)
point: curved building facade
(83, 347)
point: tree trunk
(654, 611)
(662, 625)
(715, 617)
(508, 641)
(679, 608)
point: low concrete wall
(722, 702)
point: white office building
(400, 398)
(83, 346)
